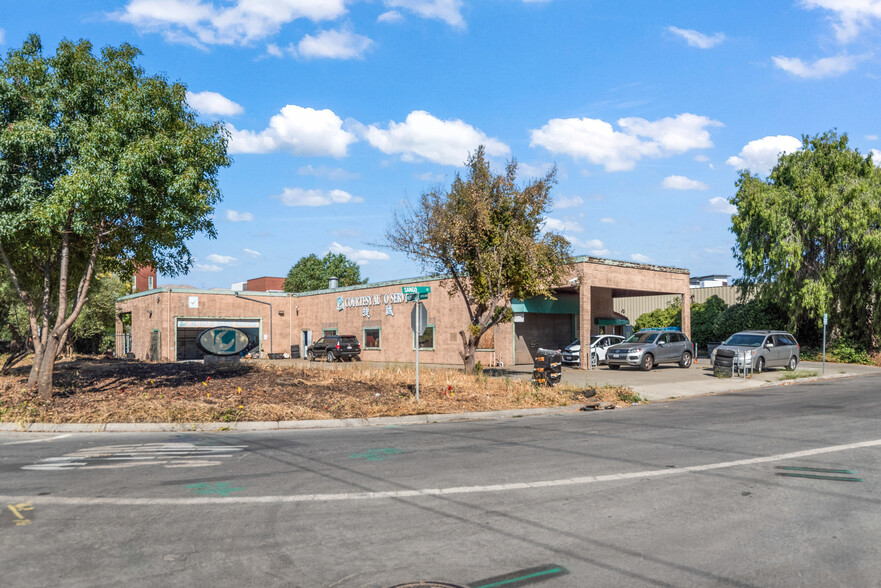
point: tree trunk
(469, 348)
(46, 368)
(34, 374)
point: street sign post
(825, 322)
(418, 319)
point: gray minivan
(763, 349)
(650, 347)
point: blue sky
(341, 110)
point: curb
(422, 419)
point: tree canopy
(99, 162)
(486, 237)
(312, 272)
(809, 237)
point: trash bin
(295, 352)
(547, 367)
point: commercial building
(165, 322)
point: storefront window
(371, 338)
(426, 341)
(329, 332)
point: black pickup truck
(335, 347)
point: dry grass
(104, 391)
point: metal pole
(824, 347)
(418, 329)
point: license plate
(348, 346)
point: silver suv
(763, 349)
(649, 348)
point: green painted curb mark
(377, 454)
(522, 577)
(815, 477)
(824, 470)
(221, 488)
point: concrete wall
(633, 307)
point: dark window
(372, 338)
(426, 341)
(329, 332)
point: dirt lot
(115, 390)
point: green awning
(568, 305)
(610, 321)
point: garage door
(189, 329)
(550, 331)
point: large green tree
(809, 237)
(485, 236)
(98, 162)
(312, 273)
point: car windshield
(594, 338)
(745, 340)
(641, 338)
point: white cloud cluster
(562, 226)
(303, 197)
(447, 142)
(221, 259)
(696, 39)
(761, 155)
(598, 142)
(640, 258)
(721, 205)
(568, 202)
(205, 22)
(448, 11)
(252, 253)
(212, 103)
(849, 17)
(333, 44)
(238, 217)
(683, 183)
(359, 256)
(821, 68)
(331, 173)
(2, 36)
(302, 131)
(876, 157)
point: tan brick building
(166, 321)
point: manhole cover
(427, 584)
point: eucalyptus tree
(487, 236)
(809, 237)
(99, 162)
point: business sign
(222, 341)
(416, 289)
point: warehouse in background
(164, 322)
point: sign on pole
(418, 318)
(825, 322)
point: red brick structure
(144, 279)
(265, 284)
(165, 322)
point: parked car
(598, 346)
(335, 347)
(650, 347)
(763, 349)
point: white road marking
(37, 440)
(223, 500)
(169, 455)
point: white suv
(598, 346)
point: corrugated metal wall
(632, 308)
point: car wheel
(330, 356)
(613, 366)
(793, 363)
(309, 355)
(648, 362)
(760, 365)
(686, 360)
(594, 360)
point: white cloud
(331, 173)
(339, 44)
(220, 259)
(208, 103)
(683, 183)
(431, 177)
(237, 217)
(359, 256)
(567, 202)
(274, 50)
(876, 157)
(596, 140)
(302, 131)
(761, 155)
(871, 137)
(390, 16)
(640, 258)
(701, 158)
(301, 197)
(593, 247)
(720, 204)
(205, 22)
(2, 36)
(445, 10)
(447, 142)
(822, 68)
(202, 267)
(562, 226)
(849, 16)
(696, 39)
(252, 253)
(525, 170)
(607, 220)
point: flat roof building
(165, 322)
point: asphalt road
(685, 493)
